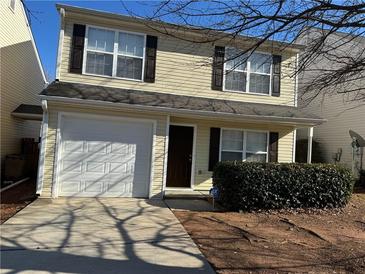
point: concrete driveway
(87, 235)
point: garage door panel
(97, 147)
(70, 187)
(72, 166)
(93, 186)
(95, 167)
(125, 189)
(105, 158)
(122, 149)
(73, 146)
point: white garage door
(107, 157)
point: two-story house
(134, 112)
(21, 79)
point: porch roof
(171, 103)
(28, 112)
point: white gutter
(203, 113)
(42, 151)
(27, 116)
(60, 43)
(296, 89)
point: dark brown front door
(180, 156)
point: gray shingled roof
(172, 102)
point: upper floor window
(247, 74)
(12, 4)
(239, 145)
(114, 53)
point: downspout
(60, 44)
(296, 89)
(42, 151)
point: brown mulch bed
(16, 198)
(314, 241)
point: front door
(180, 155)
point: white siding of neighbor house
(334, 134)
(182, 68)
(340, 107)
(21, 77)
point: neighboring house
(134, 112)
(22, 78)
(343, 110)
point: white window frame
(248, 72)
(244, 151)
(115, 53)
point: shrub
(250, 186)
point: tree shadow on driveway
(98, 236)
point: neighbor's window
(242, 145)
(115, 54)
(12, 4)
(247, 74)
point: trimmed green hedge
(250, 186)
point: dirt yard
(282, 241)
(16, 198)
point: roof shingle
(172, 101)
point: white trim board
(166, 148)
(42, 152)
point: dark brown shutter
(77, 48)
(215, 135)
(276, 69)
(150, 62)
(218, 62)
(273, 146)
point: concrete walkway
(110, 235)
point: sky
(45, 21)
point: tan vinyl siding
(202, 176)
(21, 78)
(13, 27)
(182, 68)
(159, 149)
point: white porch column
(294, 145)
(167, 133)
(310, 141)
